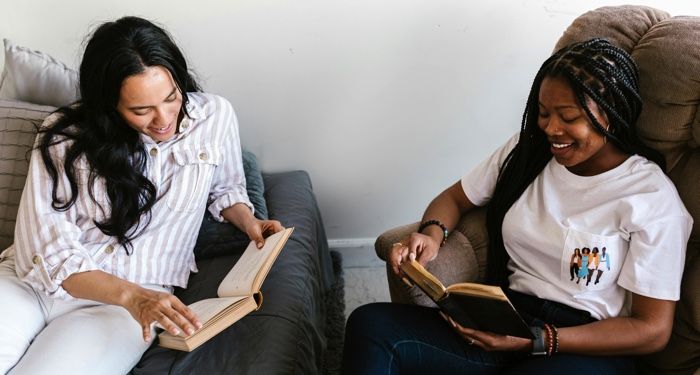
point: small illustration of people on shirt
(604, 259)
(583, 268)
(575, 263)
(593, 262)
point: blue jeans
(387, 338)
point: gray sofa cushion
(286, 336)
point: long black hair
(115, 51)
(596, 70)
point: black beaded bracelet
(428, 223)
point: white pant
(43, 335)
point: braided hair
(597, 71)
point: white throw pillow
(18, 122)
(35, 77)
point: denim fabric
(386, 338)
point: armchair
(667, 50)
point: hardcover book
(239, 294)
(477, 306)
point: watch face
(538, 344)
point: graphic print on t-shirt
(587, 259)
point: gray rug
(335, 319)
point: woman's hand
(149, 306)
(257, 230)
(490, 341)
(417, 246)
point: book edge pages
(478, 290)
(214, 326)
(267, 264)
(425, 280)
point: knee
(364, 317)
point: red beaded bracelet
(553, 336)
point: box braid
(597, 72)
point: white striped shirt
(201, 164)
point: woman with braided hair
(576, 175)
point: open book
(239, 294)
(477, 306)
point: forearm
(448, 208)
(646, 331)
(101, 287)
(614, 336)
(239, 215)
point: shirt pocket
(192, 176)
(590, 261)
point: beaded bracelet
(556, 339)
(553, 336)
(550, 339)
(428, 223)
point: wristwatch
(538, 344)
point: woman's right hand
(417, 246)
(149, 306)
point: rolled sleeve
(47, 245)
(227, 200)
(229, 185)
(48, 278)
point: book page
(481, 290)
(208, 308)
(254, 262)
(424, 279)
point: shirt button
(203, 156)
(154, 151)
(185, 124)
(109, 249)
(36, 259)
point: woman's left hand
(257, 230)
(489, 341)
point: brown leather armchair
(667, 50)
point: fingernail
(190, 331)
(176, 332)
(147, 338)
(260, 244)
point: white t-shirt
(633, 210)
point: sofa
(287, 334)
(667, 50)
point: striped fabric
(201, 164)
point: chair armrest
(461, 259)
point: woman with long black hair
(115, 194)
(575, 176)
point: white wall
(384, 102)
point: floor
(365, 277)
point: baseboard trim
(339, 243)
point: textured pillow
(35, 77)
(217, 239)
(254, 184)
(18, 121)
